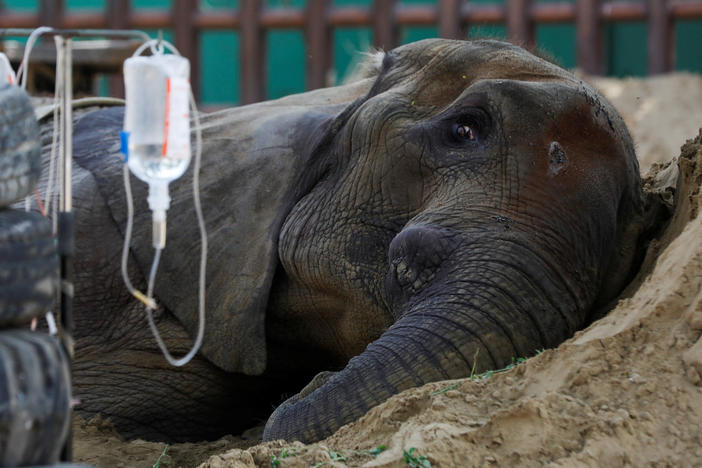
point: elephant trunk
(512, 304)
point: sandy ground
(627, 391)
(661, 112)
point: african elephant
(461, 204)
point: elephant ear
(254, 162)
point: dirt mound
(661, 112)
(625, 391)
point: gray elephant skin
(459, 205)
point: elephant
(460, 204)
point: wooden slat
(623, 11)
(520, 27)
(385, 33)
(685, 9)
(51, 12)
(218, 19)
(253, 52)
(281, 18)
(416, 15)
(151, 19)
(553, 12)
(117, 17)
(350, 16)
(84, 20)
(660, 37)
(319, 40)
(486, 14)
(186, 38)
(17, 20)
(450, 19)
(117, 14)
(589, 36)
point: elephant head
(479, 203)
(463, 204)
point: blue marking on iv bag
(124, 144)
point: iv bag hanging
(7, 74)
(157, 117)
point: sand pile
(625, 391)
(661, 112)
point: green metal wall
(625, 46)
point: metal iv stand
(66, 222)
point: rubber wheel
(20, 149)
(35, 396)
(28, 267)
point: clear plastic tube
(22, 69)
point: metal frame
(66, 222)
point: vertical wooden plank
(589, 36)
(661, 37)
(186, 38)
(252, 39)
(318, 35)
(450, 25)
(117, 16)
(385, 31)
(520, 27)
(51, 12)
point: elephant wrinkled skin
(463, 201)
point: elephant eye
(463, 132)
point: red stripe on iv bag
(166, 122)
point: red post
(520, 26)
(589, 36)
(117, 17)
(252, 38)
(51, 13)
(385, 33)
(318, 35)
(661, 37)
(450, 25)
(186, 39)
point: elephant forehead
(446, 67)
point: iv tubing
(148, 299)
(22, 69)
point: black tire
(20, 150)
(28, 267)
(35, 396)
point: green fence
(625, 46)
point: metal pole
(66, 227)
(115, 33)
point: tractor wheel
(35, 397)
(20, 149)
(28, 267)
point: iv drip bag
(157, 127)
(157, 117)
(7, 74)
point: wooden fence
(384, 17)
